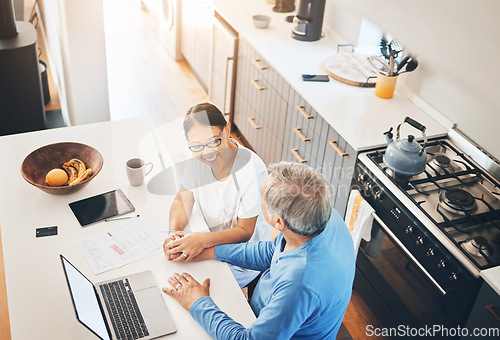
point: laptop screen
(85, 300)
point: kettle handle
(417, 126)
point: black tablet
(100, 207)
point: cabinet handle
(304, 138)
(255, 126)
(257, 62)
(491, 309)
(296, 154)
(228, 59)
(304, 113)
(333, 144)
(255, 83)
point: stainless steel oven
(432, 234)
(406, 276)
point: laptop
(129, 307)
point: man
(308, 269)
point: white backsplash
(456, 43)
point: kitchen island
(39, 301)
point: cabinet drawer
(264, 70)
(257, 131)
(299, 155)
(338, 167)
(254, 59)
(263, 100)
(304, 116)
(346, 173)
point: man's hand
(186, 289)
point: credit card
(46, 231)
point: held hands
(182, 247)
(186, 289)
(172, 236)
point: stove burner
(458, 201)
(459, 197)
(442, 165)
(442, 161)
(478, 246)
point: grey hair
(300, 195)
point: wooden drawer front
(279, 84)
(241, 115)
(272, 108)
(304, 116)
(254, 59)
(262, 97)
(304, 122)
(338, 167)
(257, 131)
(264, 70)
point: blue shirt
(303, 293)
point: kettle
(406, 157)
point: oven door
(397, 287)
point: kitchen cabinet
(485, 314)
(279, 124)
(260, 108)
(196, 38)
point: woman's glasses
(212, 144)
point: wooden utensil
(391, 65)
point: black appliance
(308, 23)
(21, 98)
(432, 234)
(284, 6)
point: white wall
(75, 37)
(457, 43)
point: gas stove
(457, 196)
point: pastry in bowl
(62, 168)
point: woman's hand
(173, 236)
(186, 248)
(186, 289)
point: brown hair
(205, 114)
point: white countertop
(356, 113)
(492, 277)
(36, 288)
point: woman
(224, 181)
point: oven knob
(409, 230)
(430, 252)
(420, 240)
(378, 195)
(361, 178)
(453, 276)
(441, 264)
(368, 186)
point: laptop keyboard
(124, 312)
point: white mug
(136, 171)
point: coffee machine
(308, 23)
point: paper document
(127, 242)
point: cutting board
(351, 68)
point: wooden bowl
(38, 163)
